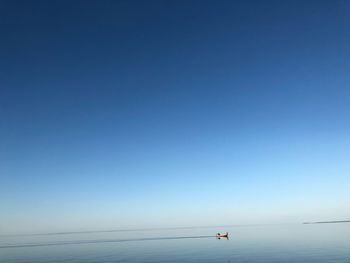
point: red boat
(222, 235)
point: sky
(136, 114)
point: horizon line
(141, 229)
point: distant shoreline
(328, 222)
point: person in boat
(222, 235)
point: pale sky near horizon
(123, 114)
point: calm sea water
(274, 243)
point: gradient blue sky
(121, 114)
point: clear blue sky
(121, 114)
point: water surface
(269, 243)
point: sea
(246, 243)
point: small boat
(222, 235)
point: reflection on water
(279, 243)
(227, 238)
